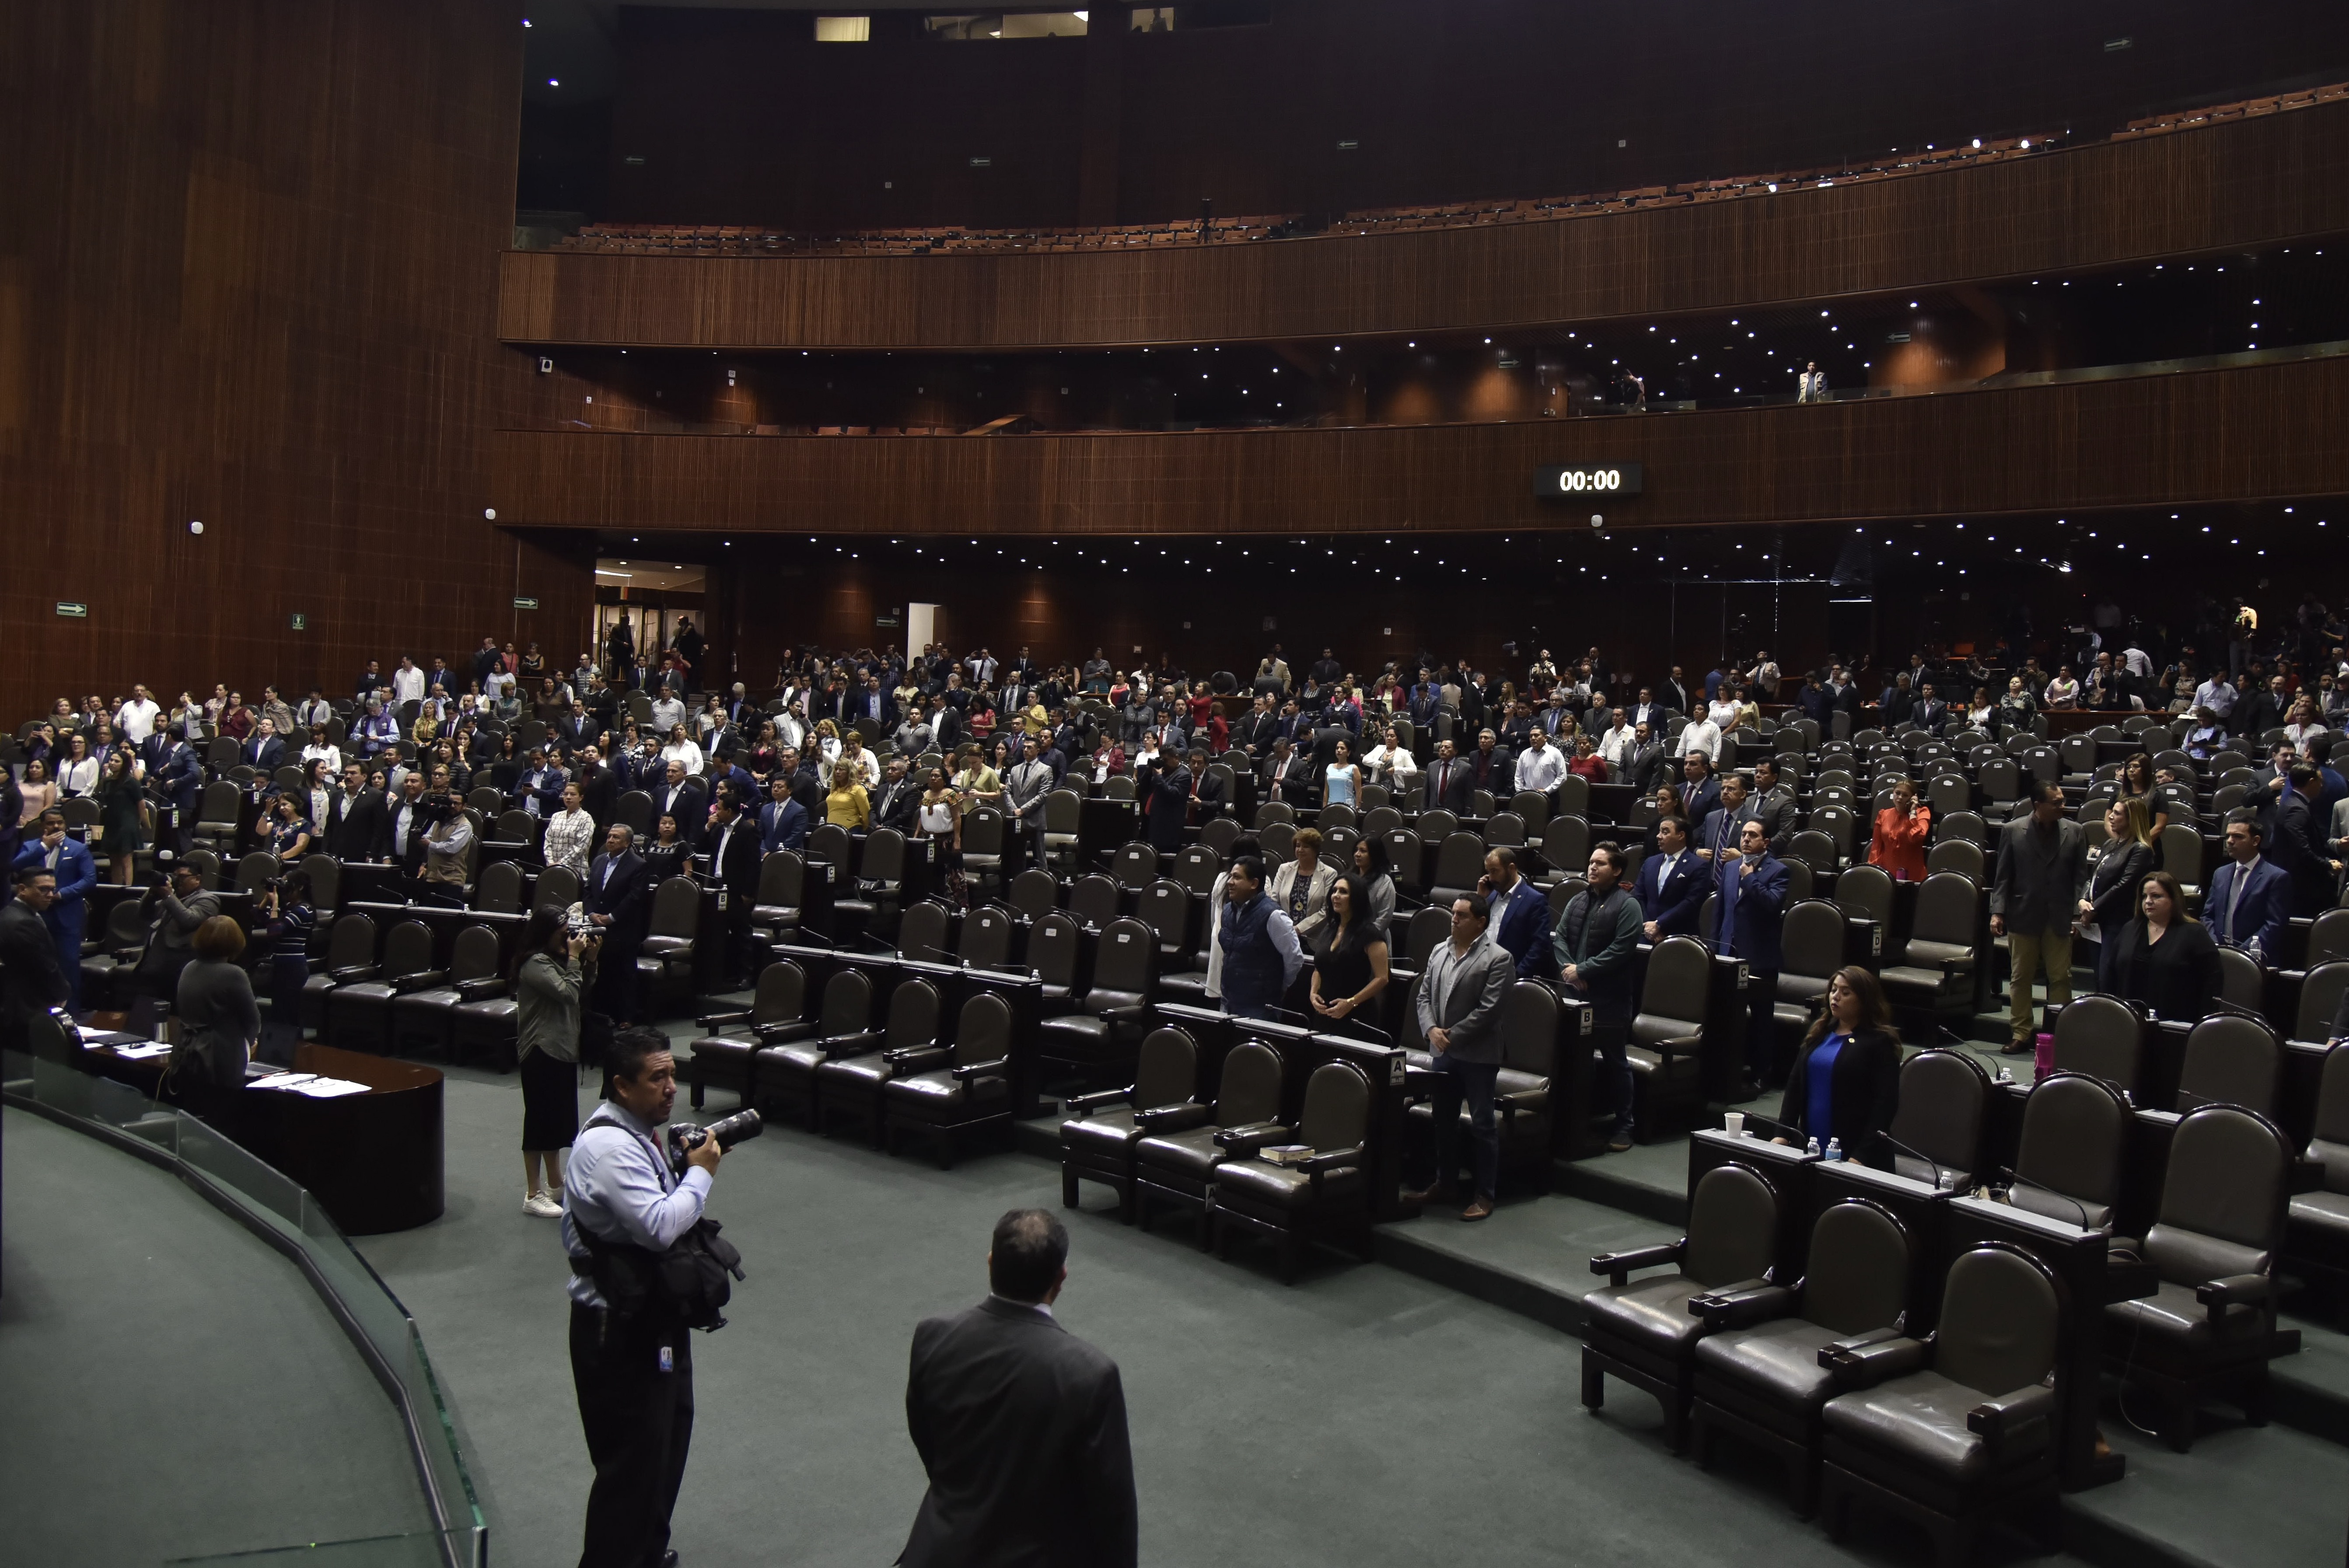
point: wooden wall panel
(247, 275)
(741, 118)
(2235, 184)
(2215, 436)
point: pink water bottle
(2042, 1055)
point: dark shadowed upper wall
(248, 256)
(740, 117)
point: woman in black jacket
(2109, 901)
(1846, 1084)
(2165, 958)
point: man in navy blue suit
(1520, 913)
(783, 821)
(77, 873)
(1751, 886)
(1700, 792)
(178, 778)
(1672, 884)
(2250, 899)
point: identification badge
(668, 1359)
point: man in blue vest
(1261, 955)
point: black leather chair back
(2239, 980)
(326, 874)
(913, 1015)
(1378, 821)
(1277, 841)
(2230, 1060)
(922, 932)
(2320, 1000)
(2330, 1140)
(1123, 967)
(2222, 1198)
(1196, 868)
(1166, 1072)
(475, 954)
(517, 828)
(1733, 1230)
(781, 995)
(1566, 844)
(783, 879)
(829, 841)
(557, 886)
(1865, 891)
(2001, 1321)
(1250, 1090)
(407, 949)
(1811, 946)
(1436, 825)
(677, 908)
(1219, 834)
(986, 939)
(982, 831)
(983, 1033)
(1135, 866)
(847, 1004)
(1336, 815)
(1532, 807)
(1056, 947)
(634, 811)
(1337, 1113)
(885, 858)
(1093, 900)
(1857, 1275)
(1165, 908)
(1947, 909)
(256, 870)
(1035, 892)
(1674, 994)
(352, 943)
(2074, 1138)
(1961, 856)
(1530, 1020)
(2328, 938)
(1459, 861)
(2100, 1035)
(1942, 1094)
(499, 889)
(1268, 812)
(1504, 828)
(1428, 926)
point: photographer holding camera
(546, 983)
(625, 1211)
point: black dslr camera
(684, 1136)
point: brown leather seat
(1758, 1373)
(1097, 1142)
(1323, 1197)
(1176, 1157)
(948, 1095)
(776, 1013)
(849, 1084)
(1950, 1433)
(2209, 1325)
(1643, 1331)
(782, 1070)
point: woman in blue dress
(1846, 1085)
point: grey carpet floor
(1361, 1417)
(171, 1385)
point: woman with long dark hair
(1846, 1085)
(2109, 902)
(546, 984)
(2137, 783)
(1371, 864)
(1350, 971)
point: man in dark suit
(1286, 776)
(2294, 841)
(1674, 693)
(1488, 767)
(406, 817)
(264, 751)
(783, 821)
(1020, 1425)
(31, 979)
(1748, 923)
(1449, 785)
(1672, 884)
(178, 778)
(679, 797)
(619, 905)
(893, 802)
(1700, 790)
(1772, 804)
(1254, 733)
(354, 818)
(1519, 913)
(1645, 765)
(734, 859)
(1165, 791)
(1930, 714)
(2249, 902)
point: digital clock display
(1589, 480)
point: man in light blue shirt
(633, 1373)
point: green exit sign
(525, 604)
(298, 621)
(77, 611)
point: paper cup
(1732, 1122)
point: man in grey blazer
(1020, 1424)
(1459, 991)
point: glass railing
(282, 1212)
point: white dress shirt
(1539, 768)
(1700, 734)
(408, 685)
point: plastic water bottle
(1815, 1146)
(1835, 1148)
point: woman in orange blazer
(1899, 845)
